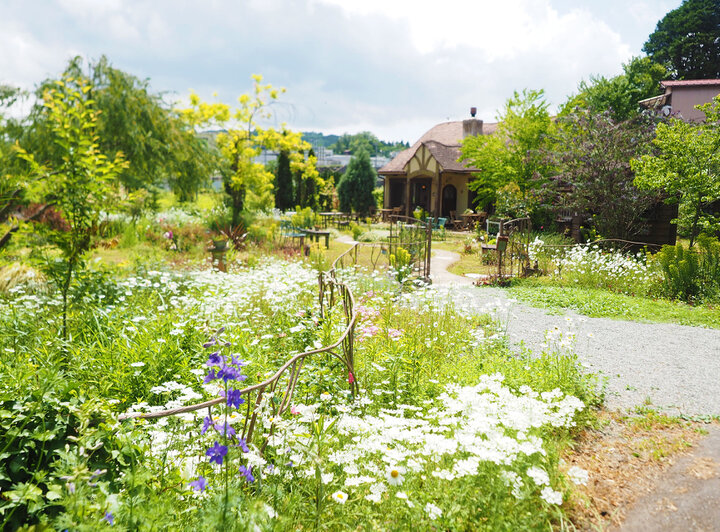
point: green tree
(367, 141)
(78, 185)
(512, 154)
(283, 183)
(592, 154)
(687, 166)
(159, 146)
(687, 40)
(619, 95)
(355, 189)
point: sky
(392, 67)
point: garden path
(673, 368)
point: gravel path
(673, 368)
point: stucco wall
(459, 181)
(684, 100)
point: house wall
(460, 182)
(684, 100)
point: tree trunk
(693, 227)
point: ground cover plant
(450, 429)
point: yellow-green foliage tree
(78, 185)
(513, 153)
(247, 182)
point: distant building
(429, 175)
(682, 96)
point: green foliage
(304, 218)
(592, 153)
(689, 274)
(158, 145)
(79, 184)
(511, 155)
(283, 183)
(686, 166)
(355, 189)
(366, 141)
(55, 440)
(600, 303)
(687, 40)
(512, 203)
(356, 230)
(620, 95)
(246, 182)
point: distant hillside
(350, 144)
(319, 139)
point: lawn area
(598, 303)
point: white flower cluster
(485, 423)
(609, 265)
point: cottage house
(429, 175)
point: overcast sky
(393, 67)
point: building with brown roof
(682, 96)
(429, 174)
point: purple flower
(210, 343)
(199, 484)
(207, 423)
(237, 362)
(215, 359)
(229, 373)
(245, 471)
(225, 429)
(234, 399)
(210, 376)
(221, 330)
(243, 445)
(109, 518)
(216, 453)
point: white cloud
(397, 66)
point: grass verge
(597, 303)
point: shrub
(54, 439)
(689, 274)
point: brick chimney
(473, 126)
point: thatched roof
(443, 141)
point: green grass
(599, 303)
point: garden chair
(289, 231)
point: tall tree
(687, 167)
(512, 154)
(247, 182)
(355, 189)
(79, 184)
(619, 95)
(159, 146)
(687, 40)
(592, 153)
(283, 183)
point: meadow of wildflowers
(449, 430)
(590, 266)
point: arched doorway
(449, 200)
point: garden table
(473, 218)
(315, 235)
